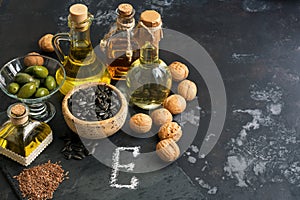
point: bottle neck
(125, 22)
(149, 53)
(80, 35)
(80, 31)
(81, 49)
(19, 122)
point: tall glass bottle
(21, 138)
(119, 45)
(149, 79)
(81, 64)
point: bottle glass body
(81, 64)
(149, 80)
(121, 49)
(23, 139)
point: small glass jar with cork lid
(149, 79)
(21, 138)
(118, 44)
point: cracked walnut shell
(45, 43)
(167, 150)
(179, 71)
(187, 89)
(170, 130)
(161, 116)
(140, 123)
(175, 104)
(33, 58)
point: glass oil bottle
(81, 65)
(21, 138)
(149, 80)
(119, 45)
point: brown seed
(140, 123)
(168, 150)
(41, 181)
(161, 116)
(175, 104)
(187, 89)
(170, 130)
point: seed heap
(40, 182)
(94, 103)
(74, 149)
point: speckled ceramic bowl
(95, 129)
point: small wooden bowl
(95, 129)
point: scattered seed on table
(64, 149)
(77, 149)
(76, 157)
(67, 155)
(69, 148)
(80, 153)
(86, 152)
(68, 142)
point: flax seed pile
(40, 182)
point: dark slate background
(256, 47)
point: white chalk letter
(128, 167)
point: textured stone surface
(255, 45)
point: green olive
(23, 78)
(27, 90)
(29, 70)
(13, 88)
(50, 82)
(37, 82)
(37, 71)
(40, 92)
(40, 71)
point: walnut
(187, 89)
(161, 116)
(167, 150)
(179, 71)
(140, 123)
(170, 130)
(45, 43)
(33, 58)
(175, 104)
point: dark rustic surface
(256, 47)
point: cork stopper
(18, 110)
(18, 113)
(125, 9)
(78, 13)
(150, 18)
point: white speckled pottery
(95, 129)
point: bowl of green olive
(33, 83)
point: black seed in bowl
(94, 103)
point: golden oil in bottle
(81, 64)
(22, 138)
(149, 79)
(157, 93)
(119, 45)
(118, 62)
